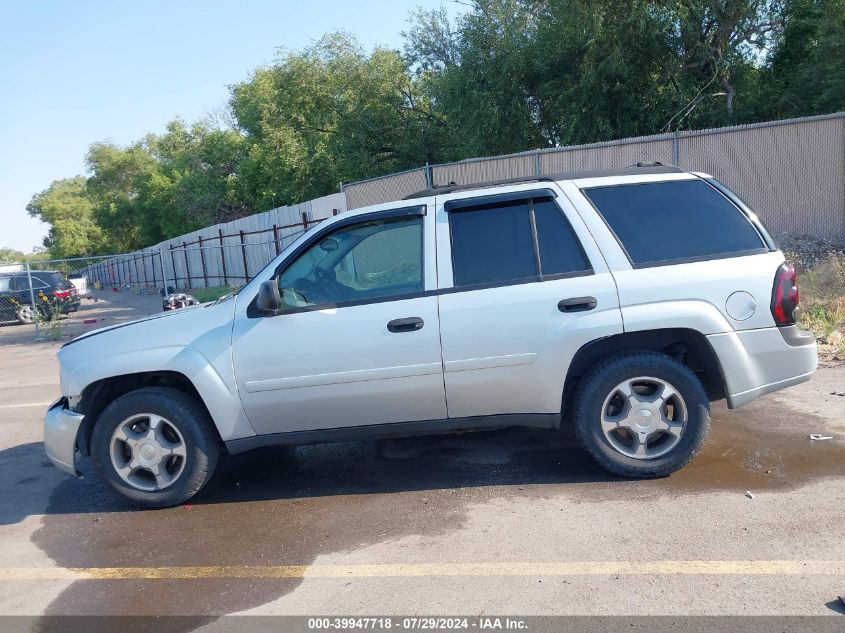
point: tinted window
(39, 280)
(492, 244)
(368, 260)
(58, 280)
(560, 251)
(667, 221)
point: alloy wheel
(644, 417)
(148, 452)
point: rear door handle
(405, 325)
(577, 304)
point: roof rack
(633, 170)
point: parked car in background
(620, 303)
(16, 298)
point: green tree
(10, 255)
(119, 187)
(806, 71)
(328, 114)
(603, 70)
(513, 75)
(67, 207)
(196, 181)
(478, 73)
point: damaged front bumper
(60, 428)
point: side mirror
(269, 299)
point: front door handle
(405, 325)
(577, 304)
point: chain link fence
(46, 293)
(791, 172)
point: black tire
(181, 411)
(600, 381)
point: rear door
(522, 288)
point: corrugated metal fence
(791, 172)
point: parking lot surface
(511, 522)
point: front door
(357, 341)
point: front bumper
(757, 362)
(60, 428)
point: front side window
(377, 259)
(21, 283)
(665, 222)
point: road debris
(748, 494)
(815, 437)
(178, 300)
(837, 393)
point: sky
(73, 73)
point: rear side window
(4, 284)
(492, 245)
(667, 222)
(560, 251)
(495, 243)
(57, 280)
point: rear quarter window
(672, 222)
(57, 280)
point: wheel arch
(689, 346)
(98, 395)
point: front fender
(219, 395)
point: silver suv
(621, 302)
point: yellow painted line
(618, 568)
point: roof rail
(634, 170)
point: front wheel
(25, 314)
(641, 415)
(155, 446)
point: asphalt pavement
(514, 522)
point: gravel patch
(808, 250)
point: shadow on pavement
(30, 484)
(285, 506)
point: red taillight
(785, 298)
(61, 294)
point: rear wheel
(641, 415)
(155, 446)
